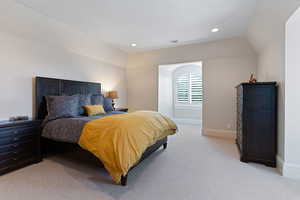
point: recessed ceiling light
(214, 30)
(133, 45)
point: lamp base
(113, 105)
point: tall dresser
(257, 122)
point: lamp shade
(113, 94)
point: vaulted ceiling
(150, 24)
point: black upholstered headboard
(57, 87)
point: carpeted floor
(192, 168)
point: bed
(66, 132)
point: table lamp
(113, 95)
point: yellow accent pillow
(92, 110)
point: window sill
(193, 106)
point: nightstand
(122, 109)
(19, 144)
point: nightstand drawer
(14, 161)
(29, 150)
(22, 130)
(12, 139)
(21, 145)
(122, 109)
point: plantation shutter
(182, 88)
(189, 88)
(196, 87)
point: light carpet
(192, 168)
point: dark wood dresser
(257, 122)
(19, 144)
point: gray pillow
(84, 100)
(108, 104)
(97, 99)
(62, 106)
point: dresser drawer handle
(15, 159)
(15, 145)
(15, 152)
(16, 138)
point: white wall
(267, 35)
(226, 63)
(22, 59)
(166, 101)
(188, 112)
(33, 44)
(165, 91)
(31, 24)
(292, 98)
(193, 112)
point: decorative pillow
(62, 106)
(97, 99)
(108, 104)
(84, 100)
(92, 110)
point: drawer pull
(16, 132)
(5, 168)
(15, 159)
(15, 145)
(16, 138)
(15, 152)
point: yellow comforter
(120, 140)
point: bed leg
(165, 145)
(124, 180)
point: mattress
(69, 129)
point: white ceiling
(150, 24)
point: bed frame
(58, 87)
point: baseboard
(288, 170)
(227, 134)
(187, 121)
(280, 163)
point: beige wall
(22, 59)
(271, 68)
(226, 63)
(267, 35)
(292, 98)
(166, 101)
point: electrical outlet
(229, 126)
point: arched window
(188, 85)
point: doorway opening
(180, 92)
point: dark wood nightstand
(122, 109)
(19, 144)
